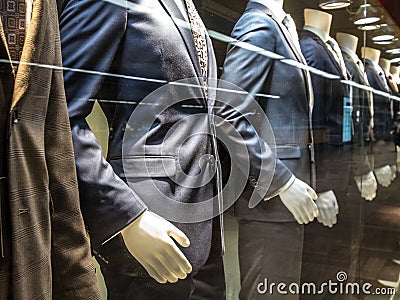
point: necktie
(333, 46)
(370, 95)
(199, 36)
(291, 27)
(13, 14)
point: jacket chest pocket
(150, 166)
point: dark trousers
(269, 252)
(207, 284)
(330, 251)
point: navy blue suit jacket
(384, 148)
(332, 157)
(131, 50)
(288, 114)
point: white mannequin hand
(394, 171)
(298, 199)
(149, 240)
(367, 185)
(328, 208)
(384, 175)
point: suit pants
(330, 251)
(124, 284)
(269, 252)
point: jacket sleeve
(72, 266)
(91, 33)
(245, 68)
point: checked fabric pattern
(13, 16)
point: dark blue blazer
(332, 157)
(130, 51)
(383, 148)
(361, 118)
(288, 113)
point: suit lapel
(330, 55)
(289, 41)
(185, 31)
(34, 41)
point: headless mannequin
(347, 41)
(384, 174)
(366, 183)
(371, 54)
(318, 22)
(299, 196)
(385, 64)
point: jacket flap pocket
(288, 151)
(149, 166)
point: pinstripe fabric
(50, 256)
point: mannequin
(347, 41)
(385, 64)
(384, 150)
(318, 22)
(362, 104)
(333, 151)
(263, 253)
(395, 70)
(371, 54)
(150, 249)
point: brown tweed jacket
(50, 255)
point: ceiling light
(383, 34)
(395, 60)
(393, 51)
(366, 14)
(384, 42)
(334, 4)
(368, 27)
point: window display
(220, 149)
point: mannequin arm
(298, 199)
(165, 263)
(367, 185)
(328, 208)
(384, 175)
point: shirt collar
(277, 11)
